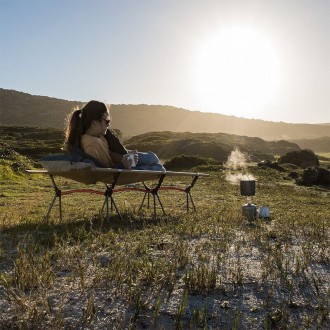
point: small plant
(156, 311)
(201, 279)
(90, 310)
(199, 318)
(32, 269)
(180, 311)
(138, 306)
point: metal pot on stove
(248, 187)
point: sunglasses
(107, 121)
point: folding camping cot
(119, 180)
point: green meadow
(210, 269)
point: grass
(211, 268)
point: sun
(237, 73)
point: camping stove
(249, 210)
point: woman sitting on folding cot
(88, 131)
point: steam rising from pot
(237, 161)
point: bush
(315, 176)
(208, 168)
(293, 175)
(302, 158)
(273, 165)
(187, 162)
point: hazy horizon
(171, 106)
(251, 59)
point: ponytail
(74, 129)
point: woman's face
(105, 122)
(99, 127)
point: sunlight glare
(238, 73)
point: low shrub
(293, 175)
(302, 158)
(187, 162)
(315, 176)
(273, 165)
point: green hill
(33, 142)
(38, 142)
(213, 145)
(22, 109)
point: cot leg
(188, 194)
(108, 193)
(191, 200)
(50, 208)
(103, 205)
(147, 193)
(57, 194)
(155, 212)
(155, 196)
(116, 208)
(113, 205)
(60, 206)
(160, 203)
(106, 204)
(144, 197)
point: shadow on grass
(45, 233)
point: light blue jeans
(147, 161)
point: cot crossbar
(112, 187)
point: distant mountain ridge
(22, 109)
(321, 144)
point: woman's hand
(128, 161)
(136, 155)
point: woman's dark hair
(80, 120)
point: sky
(262, 59)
